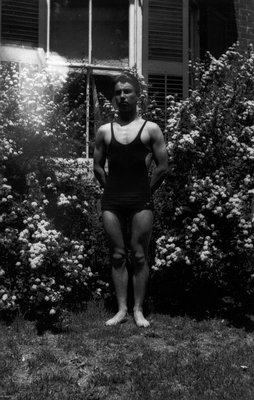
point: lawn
(175, 358)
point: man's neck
(126, 118)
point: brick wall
(244, 11)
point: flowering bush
(207, 235)
(51, 238)
(53, 252)
(51, 241)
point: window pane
(111, 32)
(69, 29)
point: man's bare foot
(140, 320)
(120, 317)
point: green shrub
(205, 250)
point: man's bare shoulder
(153, 129)
(103, 134)
(104, 129)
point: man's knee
(139, 259)
(118, 258)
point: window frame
(135, 39)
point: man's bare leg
(141, 234)
(114, 230)
(120, 280)
(140, 279)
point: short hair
(130, 78)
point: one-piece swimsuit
(127, 187)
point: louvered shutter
(20, 22)
(161, 85)
(165, 36)
(167, 48)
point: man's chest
(127, 134)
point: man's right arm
(100, 157)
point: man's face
(125, 96)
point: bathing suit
(127, 187)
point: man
(128, 144)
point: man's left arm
(160, 156)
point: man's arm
(99, 157)
(160, 156)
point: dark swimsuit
(127, 187)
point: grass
(176, 358)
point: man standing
(128, 144)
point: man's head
(127, 77)
(126, 92)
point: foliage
(53, 251)
(204, 210)
(51, 241)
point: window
(110, 27)
(69, 29)
(213, 27)
(73, 25)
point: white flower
(36, 261)
(63, 200)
